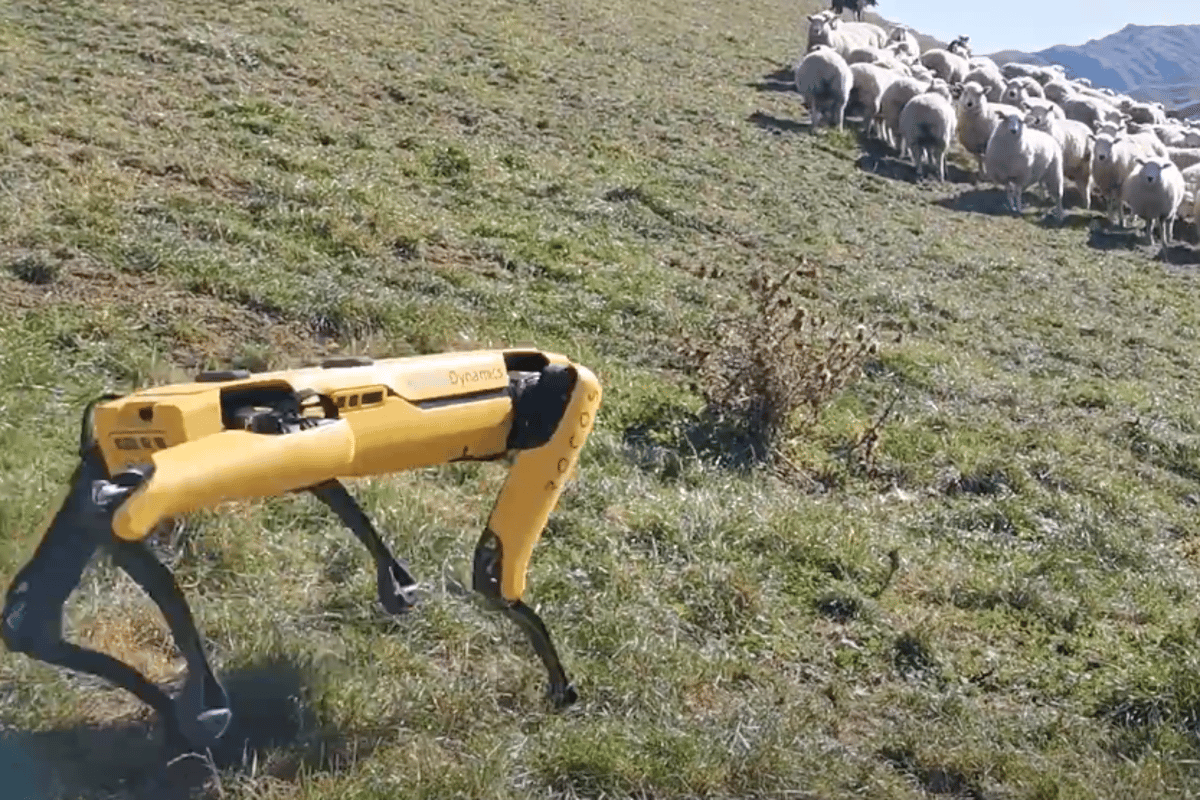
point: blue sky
(1031, 25)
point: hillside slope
(977, 579)
(1147, 62)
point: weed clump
(767, 373)
(35, 268)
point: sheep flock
(1023, 126)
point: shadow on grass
(273, 733)
(778, 125)
(883, 160)
(779, 80)
(663, 446)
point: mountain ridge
(1148, 62)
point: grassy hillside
(197, 185)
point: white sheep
(870, 82)
(921, 72)
(894, 98)
(1018, 157)
(990, 79)
(902, 36)
(1058, 90)
(1113, 160)
(1154, 191)
(1196, 212)
(1050, 107)
(844, 37)
(1176, 135)
(977, 118)
(961, 46)
(1090, 111)
(1184, 157)
(824, 80)
(950, 67)
(1075, 139)
(1190, 207)
(1151, 143)
(1019, 89)
(927, 127)
(1145, 113)
(900, 52)
(1191, 203)
(873, 55)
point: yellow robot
(168, 450)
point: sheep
(1042, 75)
(961, 46)
(1151, 143)
(902, 36)
(927, 128)
(1196, 211)
(900, 52)
(1020, 88)
(1176, 135)
(1075, 139)
(855, 6)
(1089, 110)
(1112, 161)
(892, 102)
(1058, 91)
(870, 82)
(1184, 157)
(1051, 108)
(1014, 68)
(1153, 191)
(1146, 113)
(843, 37)
(824, 80)
(950, 67)
(921, 72)
(1191, 191)
(977, 118)
(873, 55)
(984, 62)
(990, 79)
(1017, 157)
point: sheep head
(1014, 124)
(1014, 93)
(1102, 147)
(972, 96)
(1150, 170)
(1038, 117)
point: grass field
(189, 186)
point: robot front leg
(204, 713)
(486, 581)
(32, 617)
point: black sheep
(856, 6)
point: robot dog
(168, 450)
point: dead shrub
(767, 373)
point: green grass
(189, 186)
